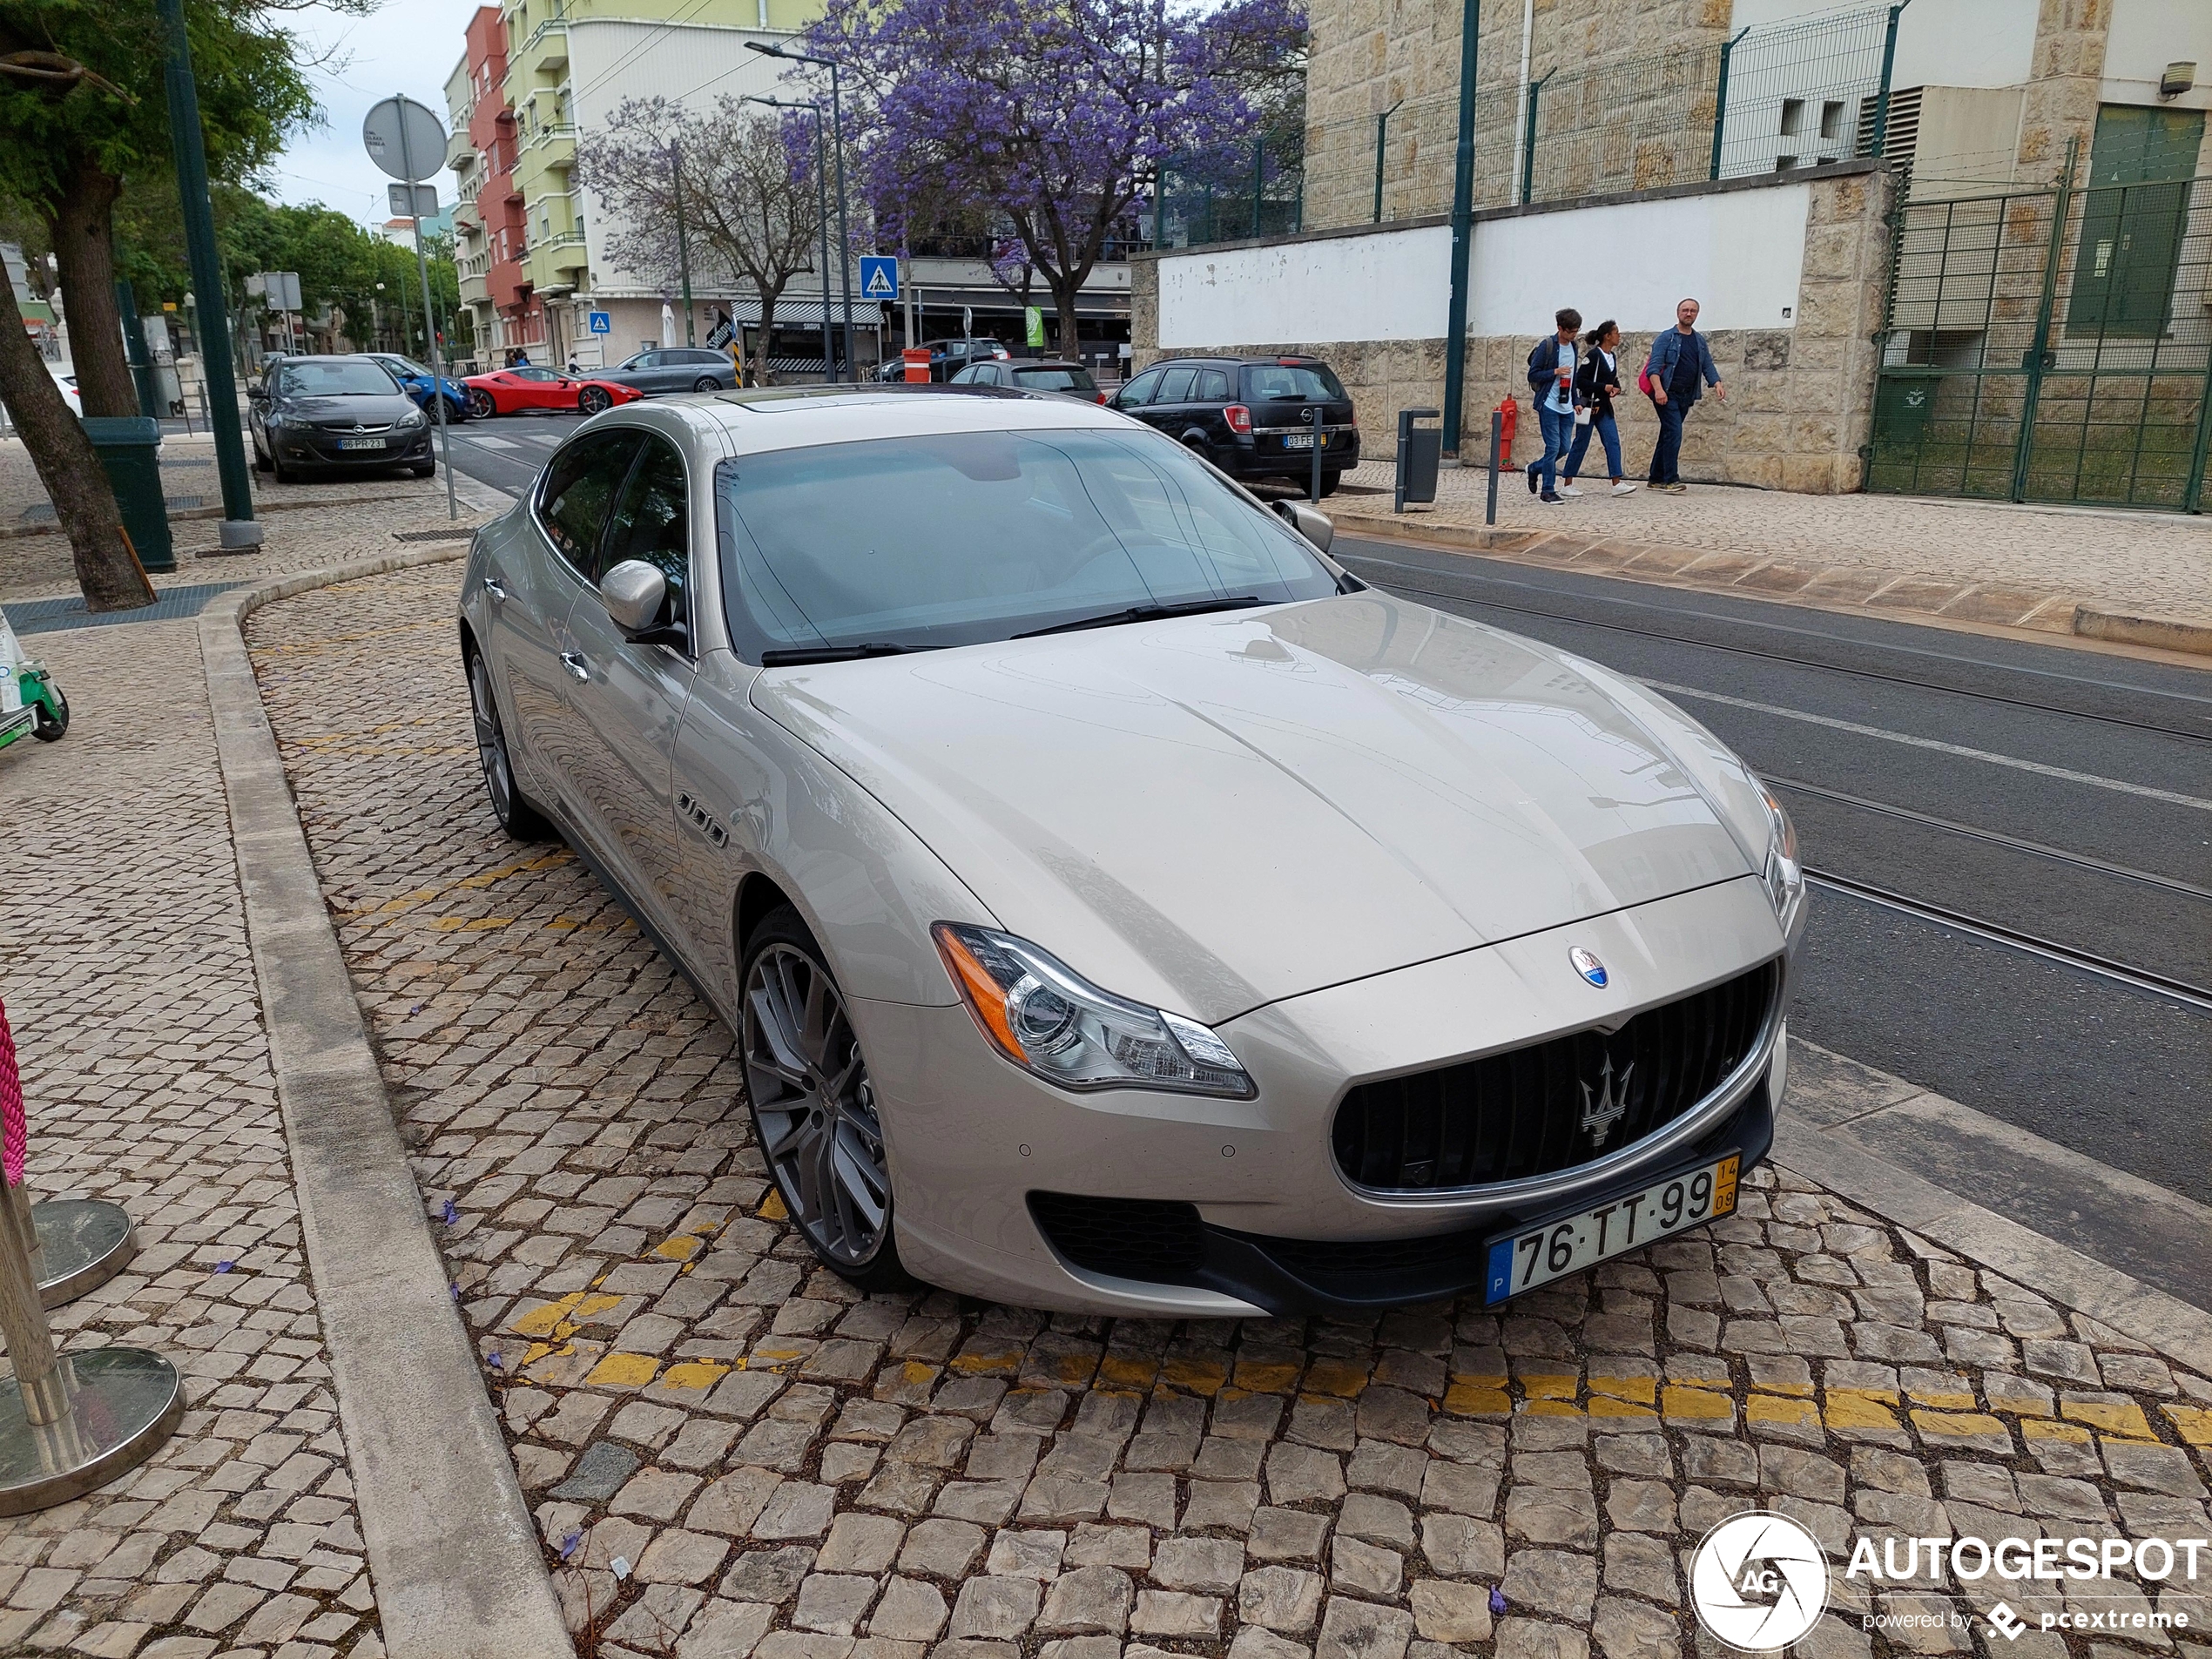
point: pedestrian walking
(1596, 383)
(1551, 378)
(1680, 366)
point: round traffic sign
(405, 140)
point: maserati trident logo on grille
(1588, 966)
(1602, 1111)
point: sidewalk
(1905, 557)
(729, 1455)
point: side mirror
(1309, 521)
(634, 593)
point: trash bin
(1420, 450)
(129, 449)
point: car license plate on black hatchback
(1565, 1244)
(361, 443)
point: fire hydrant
(1509, 413)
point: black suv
(1253, 417)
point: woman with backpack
(1596, 382)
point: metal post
(2032, 396)
(190, 150)
(1382, 136)
(1889, 63)
(1455, 327)
(1497, 444)
(683, 242)
(134, 349)
(1529, 139)
(844, 237)
(1719, 97)
(429, 320)
(1320, 420)
(821, 185)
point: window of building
(1831, 119)
(1793, 117)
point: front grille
(1141, 1239)
(348, 430)
(1546, 1108)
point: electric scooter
(29, 701)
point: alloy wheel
(815, 1106)
(591, 400)
(481, 407)
(491, 742)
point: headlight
(1049, 1020)
(1784, 875)
(409, 421)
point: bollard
(1497, 444)
(69, 1423)
(1320, 428)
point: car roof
(1021, 363)
(1286, 360)
(761, 419)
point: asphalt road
(2054, 804)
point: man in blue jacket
(1681, 366)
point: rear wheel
(50, 724)
(591, 400)
(706, 383)
(1198, 446)
(1328, 483)
(813, 1107)
(481, 407)
(508, 805)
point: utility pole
(837, 134)
(1455, 334)
(190, 148)
(683, 242)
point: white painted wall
(2146, 35)
(1939, 43)
(1739, 253)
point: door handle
(573, 661)
(497, 589)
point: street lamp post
(837, 139)
(821, 188)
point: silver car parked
(1120, 906)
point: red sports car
(505, 390)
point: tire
(706, 383)
(481, 404)
(1199, 448)
(514, 810)
(425, 469)
(279, 471)
(456, 411)
(260, 460)
(812, 1107)
(591, 401)
(49, 726)
(1328, 483)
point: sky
(407, 46)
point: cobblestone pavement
(729, 1452)
(2157, 564)
(124, 960)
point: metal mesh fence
(1799, 94)
(1251, 188)
(2051, 344)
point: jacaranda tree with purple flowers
(1051, 115)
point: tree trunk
(83, 501)
(764, 372)
(82, 224)
(1065, 290)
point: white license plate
(1567, 1244)
(361, 443)
(1303, 441)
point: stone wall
(1800, 399)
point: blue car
(415, 380)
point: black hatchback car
(335, 412)
(1253, 417)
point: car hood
(1214, 812)
(370, 409)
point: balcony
(475, 288)
(544, 51)
(548, 137)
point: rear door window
(1175, 388)
(1213, 387)
(579, 493)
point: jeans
(1668, 448)
(1609, 433)
(1559, 432)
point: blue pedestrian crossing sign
(601, 322)
(879, 276)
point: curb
(195, 514)
(1887, 593)
(453, 1552)
(1815, 1142)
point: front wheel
(591, 400)
(481, 407)
(50, 716)
(813, 1107)
(508, 805)
(457, 409)
(424, 470)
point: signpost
(408, 142)
(599, 322)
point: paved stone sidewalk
(124, 958)
(1849, 547)
(730, 1453)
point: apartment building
(488, 226)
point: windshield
(1308, 382)
(1054, 380)
(405, 366)
(963, 538)
(331, 377)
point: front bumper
(973, 1140)
(317, 448)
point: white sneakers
(1568, 489)
(1624, 488)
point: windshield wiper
(1149, 613)
(794, 656)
